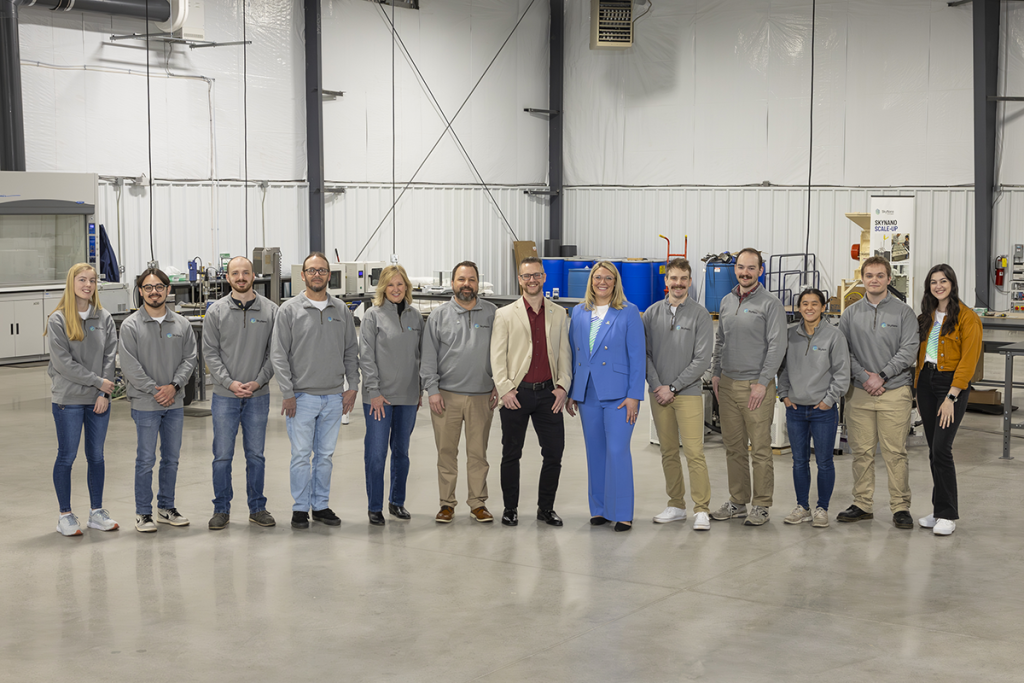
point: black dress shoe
(903, 520)
(549, 517)
(300, 520)
(510, 517)
(376, 517)
(853, 514)
(622, 526)
(398, 511)
(598, 521)
(326, 516)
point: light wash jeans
(313, 433)
(167, 424)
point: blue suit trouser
(606, 433)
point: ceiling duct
(611, 24)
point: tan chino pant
(879, 420)
(740, 425)
(475, 412)
(683, 417)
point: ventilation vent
(611, 24)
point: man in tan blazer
(532, 369)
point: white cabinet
(22, 321)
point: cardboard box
(521, 250)
(989, 397)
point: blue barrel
(554, 268)
(576, 279)
(637, 283)
(719, 280)
(658, 283)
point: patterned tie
(595, 325)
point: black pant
(551, 435)
(932, 388)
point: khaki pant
(475, 411)
(740, 425)
(684, 416)
(879, 420)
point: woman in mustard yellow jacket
(950, 349)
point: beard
(241, 288)
(466, 294)
(315, 288)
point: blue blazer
(618, 363)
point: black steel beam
(553, 245)
(12, 121)
(986, 66)
(315, 125)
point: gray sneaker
(219, 520)
(758, 516)
(728, 511)
(820, 517)
(171, 516)
(100, 519)
(145, 524)
(262, 517)
(67, 525)
(799, 514)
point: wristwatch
(952, 398)
(885, 377)
(672, 388)
(176, 387)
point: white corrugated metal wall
(626, 222)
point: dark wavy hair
(929, 304)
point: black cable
(245, 124)
(394, 137)
(649, 8)
(149, 140)
(458, 141)
(810, 142)
(447, 128)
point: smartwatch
(952, 398)
(885, 377)
(176, 387)
(672, 388)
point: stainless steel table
(1011, 351)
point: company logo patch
(409, 328)
(814, 348)
(92, 328)
(252, 320)
(883, 325)
(476, 325)
(679, 327)
(746, 310)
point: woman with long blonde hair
(389, 358)
(82, 342)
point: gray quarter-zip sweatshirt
(882, 338)
(456, 349)
(156, 354)
(751, 339)
(78, 368)
(314, 351)
(679, 346)
(236, 344)
(817, 366)
(389, 354)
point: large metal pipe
(315, 125)
(986, 70)
(12, 121)
(159, 10)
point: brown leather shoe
(445, 515)
(482, 515)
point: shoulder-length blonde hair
(386, 276)
(618, 296)
(68, 304)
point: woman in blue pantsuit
(609, 361)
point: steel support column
(315, 125)
(986, 66)
(12, 121)
(553, 245)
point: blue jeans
(70, 421)
(804, 423)
(167, 424)
(228, 413)
(395, 428)
(313, 430)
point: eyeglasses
(604, 278)
(317, 271)
(531, 276)
(149, 289)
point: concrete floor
(418, 601)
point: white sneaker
(171, 516)
(100, 519)
(145, 524)
(670, 514)
(798, 515)
(927, 522)
(701, 521)
(820, 518)
(943, 527)
(345, 419)
(67, 525)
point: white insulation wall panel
(436, 227)
(626, 222)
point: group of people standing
(533, 360)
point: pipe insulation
(159, 10)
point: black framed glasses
(317, 271)
(531, 276)
(149, 289)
